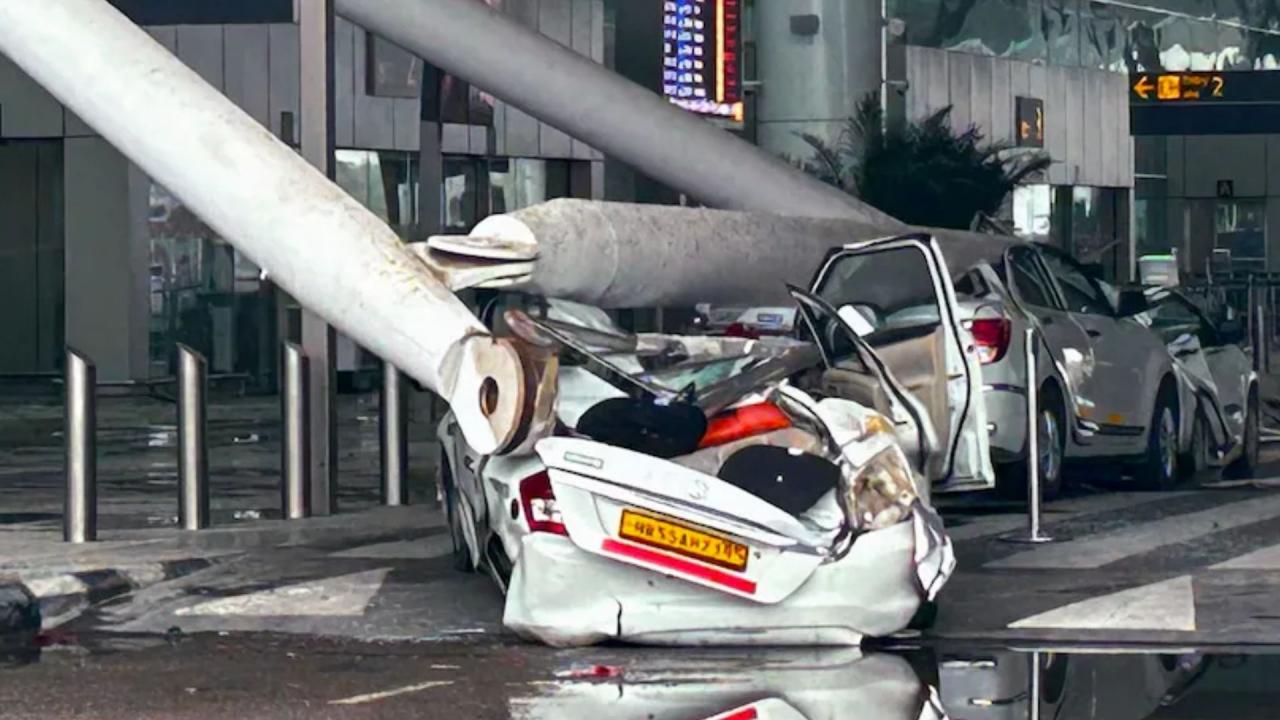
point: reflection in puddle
(919, 684)
(727, 685)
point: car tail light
(741, 331)
(744, 422)
(539, 503)
(991, 335)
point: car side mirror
(1231, 332)
(1133, 301)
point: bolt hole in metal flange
(489, 396)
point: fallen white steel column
(625, 255)
(588, 101)
(335, 257)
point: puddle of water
(913, 685)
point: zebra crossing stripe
(1095, 551)
(1168, 605)
(1267, 558)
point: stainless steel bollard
(393, 445)
(193, 453)
(80, 510)
(295, 413)
(1033, 445)
(1035, 689)
(1261, 342)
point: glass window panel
(376, 199)
(1081, 294)
(516, 183)
(1033, 211)
(460, 195)
(392, 70)
(1241, 228)
(1103, 37)
(1188, 44)
(1060, 21)
(351, 170)
(1150, 214)
(1001, 28)
(1028, 281)
(196, 283)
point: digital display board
(702, 56)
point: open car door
(896, 293)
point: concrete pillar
(107, 258)
(813, 77)
(316, 92)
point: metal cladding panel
(26, 110)
(374, 124)
(345, 83)
(201, 47)
(247, 53)
(285, 78)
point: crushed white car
(702, 490)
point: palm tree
(923, 172)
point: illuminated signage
(1204, 103)
(702, 56)
(1029, 120)
(1179, 87)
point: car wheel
(461, 554)
(1159, 469)
(1245, 465)
(1051, 438)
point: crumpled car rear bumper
(564, 596)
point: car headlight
(882, 490)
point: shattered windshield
(712, 372)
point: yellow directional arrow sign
(1144, 87)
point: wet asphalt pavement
(250, 676)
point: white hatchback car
(704, 490)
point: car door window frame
(1207, 333)
(1039, 272)
(1104, 309)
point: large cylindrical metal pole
(393, 437)
(193, 452)
(80, 510)
(336, 258)
(588, 101)
(295, 445)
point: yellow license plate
(682, 539)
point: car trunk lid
(652, 513)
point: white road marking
(1094, 551)
(56, 585)
(1267, 558)
(342, 596)
(1060, 510)
(1166, 605)
(374, 697)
